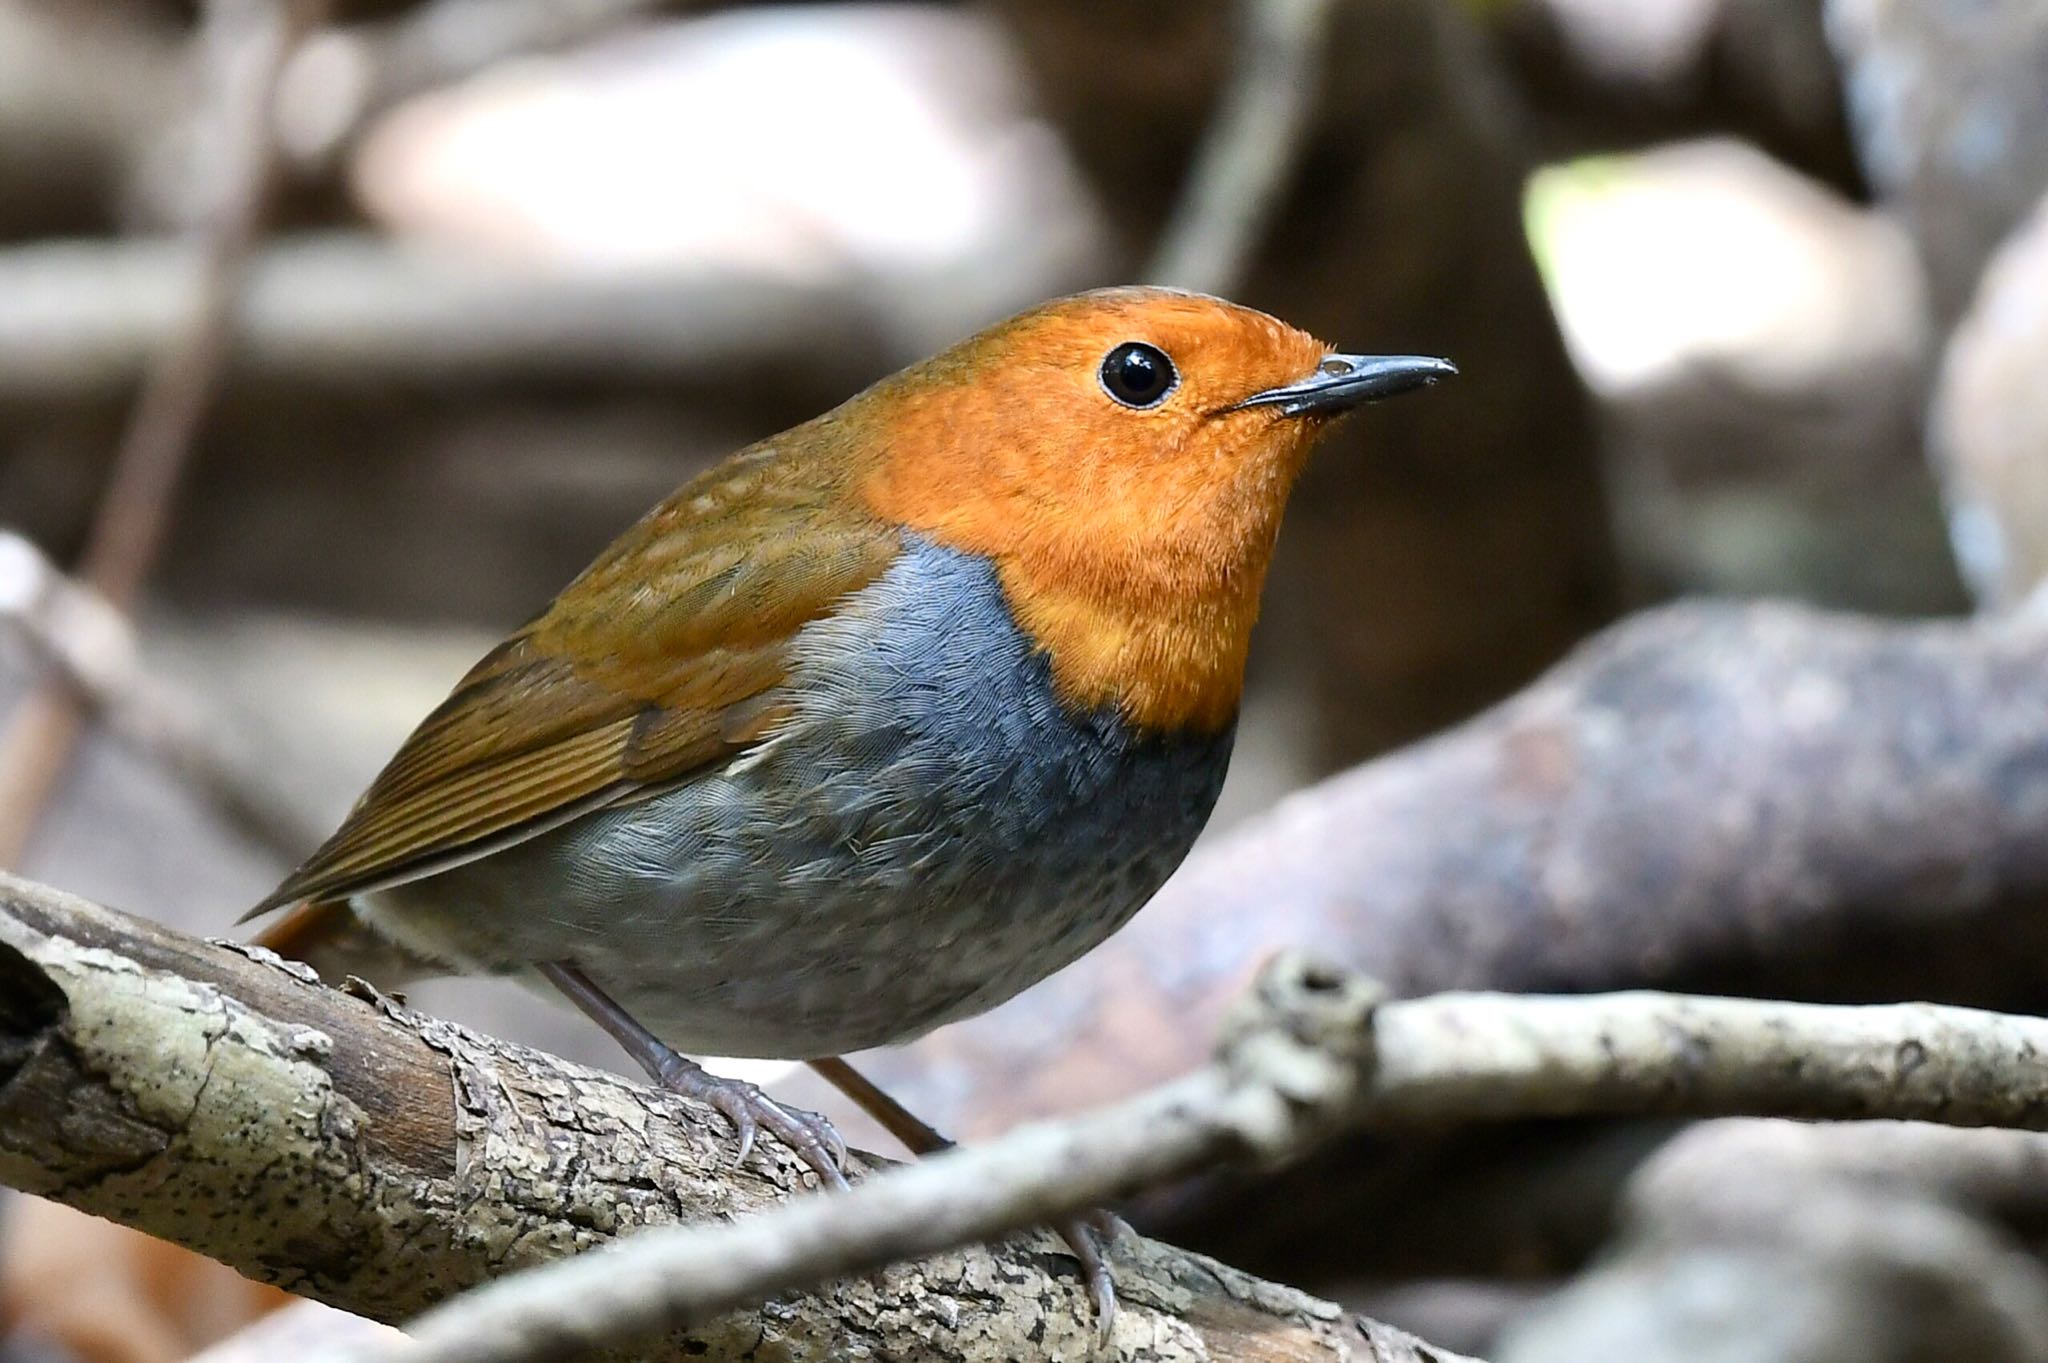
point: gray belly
(931, 833)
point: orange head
(1124, 457)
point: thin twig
(247, 42)
(1250, 148)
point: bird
(870, 726)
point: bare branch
(1309, 1055)
(82, 317)
(248, 42)
(1252, 144)
(77, 632)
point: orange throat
(1143, 595)
(1169, 665)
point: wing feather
(661, 659)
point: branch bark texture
(1306, 1054)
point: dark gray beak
(1342, 382)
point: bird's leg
(1087, 1233)
(898, 1120)
(744, 1105)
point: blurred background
(335, 338)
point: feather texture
(661, 659)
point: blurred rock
(1601, 75)
(815, 144)
(1989, 425)
(1757, 343)
(1749, 1242)
(1949, 103)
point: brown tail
(337, 943)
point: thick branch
(382, 1162)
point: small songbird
(874, 724)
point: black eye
(1138, 375)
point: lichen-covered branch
(383, 1162)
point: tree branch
(383, 1161)
(79, 634)
(81, 319)
(248, 42)
(1252, 144)
(1307, 1054)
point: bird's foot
(1089, 1235)
(751, 1111)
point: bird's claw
(1089, 1235)
(811, 1137)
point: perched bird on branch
(871, 726)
